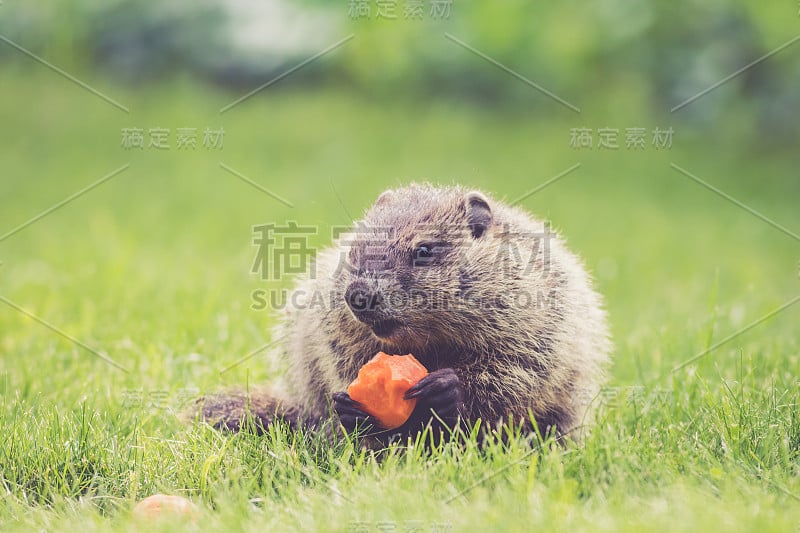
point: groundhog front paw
(351, 415)
(439, 392)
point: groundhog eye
(422, 255)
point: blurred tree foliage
(660, 52)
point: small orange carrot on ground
(164, 505)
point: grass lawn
(152, 268)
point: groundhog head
(415, 261)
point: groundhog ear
(479, 214)
(384, 197)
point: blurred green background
(153, 265)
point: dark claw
(351, 413)
(343, 399)
(439, 392)
(444, 401)
(434, 383)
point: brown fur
(512, 359)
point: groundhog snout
(365, 301)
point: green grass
(153, 268)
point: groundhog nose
(362, 299)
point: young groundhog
(501, 314)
